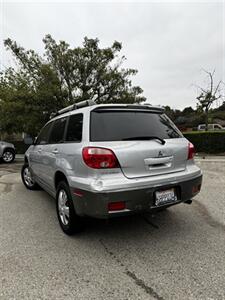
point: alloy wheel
(64, 211)
(7, 156)
(28, 177)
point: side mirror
(28, 141)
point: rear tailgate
(149, 158)
(141, 156)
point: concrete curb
(19, 157)
(210, 160)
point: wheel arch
(59, 176)
(9, 148)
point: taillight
(191, 151)
(99, 158)
(114, 206)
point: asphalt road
(177, 254)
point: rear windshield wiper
(145, 138)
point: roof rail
(73, 107)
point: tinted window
(44, 135)
(74, 130)
(57, 133)
(120, 125)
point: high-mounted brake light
(99, 158)
(191, 151)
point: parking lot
(177, 254)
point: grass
(204, 132)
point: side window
(44, 135)
(57, 133)
(74, 130)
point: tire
(8, 156)
(69, 221)
(27, 179)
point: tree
(221, 107)
(208, 96)
(173, 114)
(39, 85)
(187, 111)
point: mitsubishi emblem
(160, 154)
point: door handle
(158, 160)
(55, 151)
(39, 150)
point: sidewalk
(210, 158)
(19, 157)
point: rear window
(120, 125)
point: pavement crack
(208, 217)
(149, 290)
(139, 282)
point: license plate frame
(164, 197)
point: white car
(211, 127)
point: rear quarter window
(75, 128)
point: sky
(169, 43)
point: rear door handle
(55, 151)
(39, 150)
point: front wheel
(8, 156)
(27, 178)
(69, 221)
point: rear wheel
(8, 156)
(27, 178)
(69, 221)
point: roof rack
(73, 107)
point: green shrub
(207, 141)
(21, 148)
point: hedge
(204, 141)
(207, 141)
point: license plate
(165, 197)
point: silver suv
(111, 160)
(7, 152)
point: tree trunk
(206, 119)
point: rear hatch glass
(120, 125)
(146, 143)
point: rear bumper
(95, 204)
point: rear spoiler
(130, 107)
